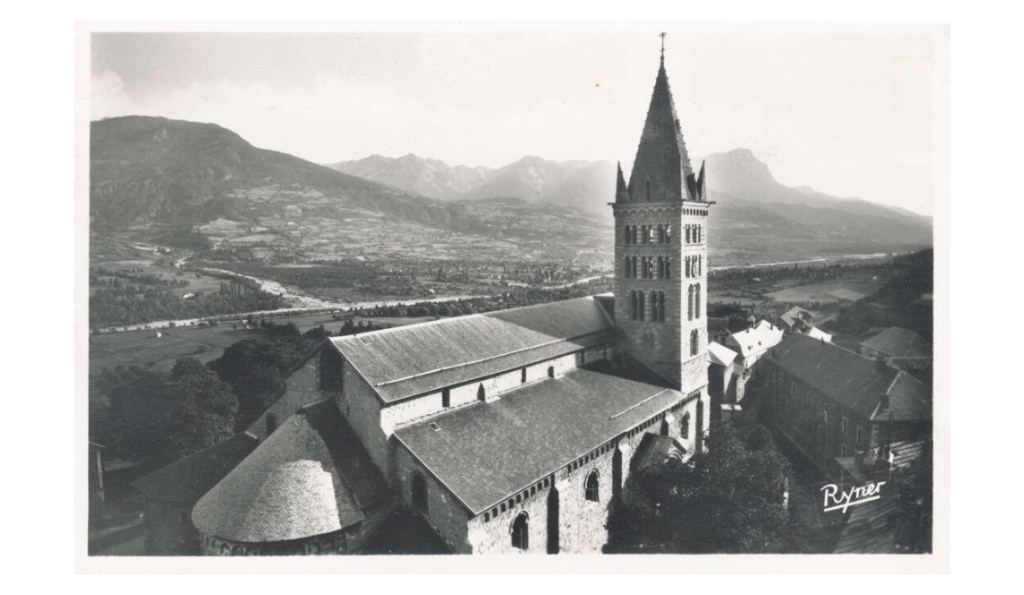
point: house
(750, 345)
(830, 402)
(796, 319)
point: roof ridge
(377, 332)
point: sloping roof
(419, 358)
(794, 314)
(661, 156)
(655, 449)
(899, 342)
(487, 451)
(720, 354)
(310, 477)
(757, 339)
(909, 400)
(850, 379)
(188, 479)
(816, 333)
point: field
(145, 348)
(831, 292)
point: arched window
(668, 267)
(647, 190)
(592, 492)
(684, 426)
(688, 234)
(419, 492)
(521, 531)
(689, 303)
(641, 306)
(668, 234)
(628, 235)
(633, 305)
(625, 267)
(481, 394)
(696, 302)
(686, 263)
(661, 267)
(551, 371)
(661, 306)
(634, 234)
(694, 342)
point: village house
(832, 403)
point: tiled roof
(757, 339)
(486, 452)
(850, 379)
(899, 342)
(419, 358)
(909, 400)
(310, 477)
(720, 354)
(188, 479)
(794, 314)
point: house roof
(816, 333)
(720, 354)
(899, 342)
(485, 452)
(794, 314)
(909, 400)
(854, 381)
(757, 339)
(310, 477)
(188, 479)
(412, 360)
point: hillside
(427, 177)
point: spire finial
(662, 35)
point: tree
(206, 407)
(729, 501)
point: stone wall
(444, 512)
(340, 542)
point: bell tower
(661, 257)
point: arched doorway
(521, 532)
(419, 492)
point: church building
(508, 432)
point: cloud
(456, 60)
(108, 97)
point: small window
(446, 398)
(591, 492)
(522, 377)
(551, 371)
(487, 517)
(481, 394)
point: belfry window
(668, 268)
(696, 302)
(628, 235)
(634, 307)
(694, 342)
(660, 307)
(641, 306)
(689, 303)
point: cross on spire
(662, 35)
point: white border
(941, 562)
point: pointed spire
(621, 192)
(662, 163)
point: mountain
(428, 177)
(739, 176)
(153, 171)
(586, 185)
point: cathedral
(508, 432)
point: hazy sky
(846, 109)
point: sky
(845, 108)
